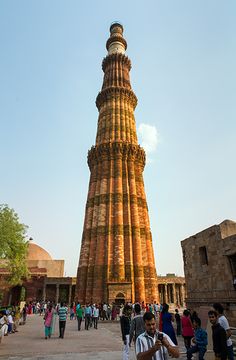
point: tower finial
(116, 43)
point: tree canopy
(13, 245)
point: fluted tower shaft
(116, 258)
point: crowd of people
(10, 319)
(148, 326)
(89, 314)
(154, 336)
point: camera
(160, 336)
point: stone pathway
(29, 343)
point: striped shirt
(145, 342)
(62, 312)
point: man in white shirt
(95, 316)
(3, 325)
(153, 344)
(104, 308)
(225, 325)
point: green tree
(13, 245)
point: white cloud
(149, 137)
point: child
(199, 340)
(218, 336)
(10, 323)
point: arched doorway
(120, 299)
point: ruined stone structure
(39, 258)
(116, 258)
(210, 268)
(46, 282)
(171, 289)
(43, 272)
(59, 289)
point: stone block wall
(208, 269)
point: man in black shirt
(125, 320)
(178, 322)
(218, 336)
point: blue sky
(183, 57)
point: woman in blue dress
(166, 323)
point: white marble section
(116, 47)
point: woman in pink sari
(48, 319)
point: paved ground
(29, 343)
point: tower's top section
(116, 43)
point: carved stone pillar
(57, 293)
(174, 293)
(182, 294)
(165, 293)
(44, 291)
(162, 293)
(70, 292)
(10, 298)
(178, 295)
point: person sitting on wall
(3, 324)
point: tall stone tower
(116, 259)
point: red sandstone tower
(116, 259)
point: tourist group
(152, 328)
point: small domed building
(46, 279)
(39, 259)
(36, 252)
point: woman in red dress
(187, 328)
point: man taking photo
(154, 344)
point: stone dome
(35, 252)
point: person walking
(95, 316)
(79, 315)
(187, 328)
(137, 326)
(218, 336)
(178, 322)
(166, 323)
(88, 315)
(72, 312)
(62, 313)
(114, 312)
(222, 320)
(104, 312)
(24, 314)
(125, 329)
(48, 320)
